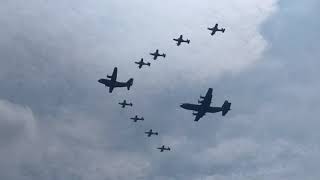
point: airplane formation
(199, 110)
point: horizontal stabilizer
(226, 108)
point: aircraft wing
(113, 77)
(199, 115)
(111, 88)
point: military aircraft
(162, 148)
(136, 118)
(204, 106)
(141, 63)
(124, 104)
(156, 55)
(113, 83)
(180, 40)
(150, 133)
(215, 29)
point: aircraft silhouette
(124, 104)
(156, 55)
(150, 133)
(113, 83)
(216, 29)
(180, 40)
(162, 148)
(204, 106)
(141, 63)
(136, 118)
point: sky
(58, 122)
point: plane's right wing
(111, 89)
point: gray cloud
(62, 124)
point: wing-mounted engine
(108, 76)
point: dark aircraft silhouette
(162, 148)
(150, 133)
(156, 55)
(113, 83)
(216, 29)
(135, 119)
(204, 106)
(141, 63)
(124, 104)
(180, 40)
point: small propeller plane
(156, 54)
(216, 29)
(162, 148)
(124, 104)
(113, 83)
(204, 106)
(150, 133)
(141, 63)
(180, 40)
(136, 118)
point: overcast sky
(58, 122)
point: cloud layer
(57, 122)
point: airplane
(141, 63)
(180, 40)
(124, 104)
(150, 133)
(215, 29)
(135, 119)
(204, 106)
(156, 54)
(162, 148)
(113, 83)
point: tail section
(223, 29)
(188, 41)
(148, 64)
(129, 83)
(164, 55)
(226, 107)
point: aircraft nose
(182, 105)
(100, 80)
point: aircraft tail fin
(226, 107)
(129, 83)
(223, 29)
(148, 64)
(188, 41)
(164, 55)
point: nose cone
(100, 80)
(183, 105)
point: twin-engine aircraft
(150, 133)
(204, 106)
(216, 29)
(124, 104)
(113, 83)
(181, 40)
(136, 118)
(157, 54)
(162, 148)
(141, 63)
